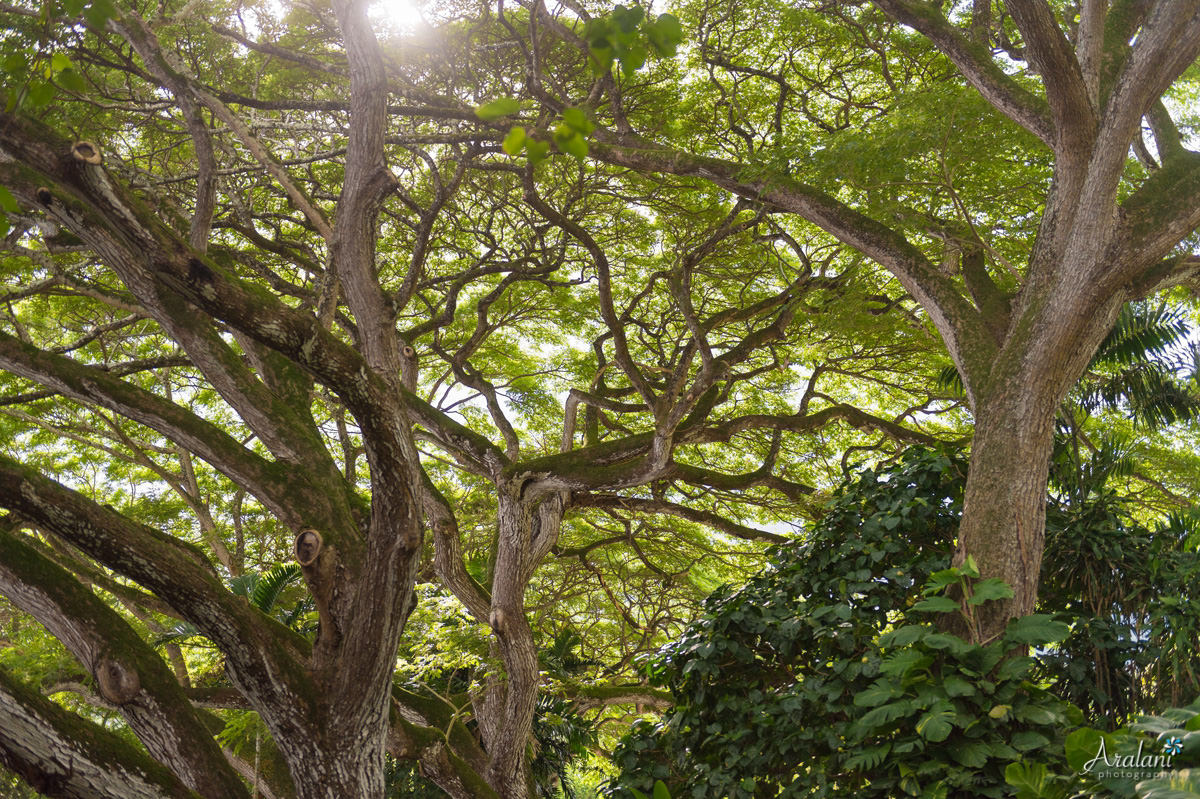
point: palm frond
(950, 381)
(271, 584)
(243, 584)
(1149, 392)
(1141, 333)
(180, 633)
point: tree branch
(274, 486)
(1051, 55)
(959, 322)
(62, 755)
(975, 62)
(261, 653)
(129, 674)
(657, 506)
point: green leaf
(633, 58)
(597, 31)
(577, 120)
(99, 12)
(940, 579)
(514, 142)
(1037, 630)
(40, 94)
(904, 661)
(569, 141)
(59, 62)
(1081, 746)
(536, 151)
(496, 109)
(970, 568)
(1015, 668)
(879, 692)
(936, 724)
(665, 34)
(73, 8)
(972, 754)
(660, 790)
(1036, 714)
(15, 64)
(991, 588)
(937, 604)
(903, 636)
(72, 81)
(1026, 740)
(957, 686)
(627, 19)
(867, 758)
(601, 59)
(1028, 778)
(884, 714)
(941, 640)
(271, 584)
(8, 203)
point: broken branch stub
(117, 682)
(87, 152)
(307, 546)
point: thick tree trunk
(528, 526)
(1004, 512)
(506, 716)
(338, 766)
(1048, 346)
(512, 700)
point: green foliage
(561, 737)
(264, 590)
(824, 674)
(271, 584)
(660, 791)
(497, 109)
(801, 642)
(628, 36)
(1129, 586)
(33, 77)
(1141, 368)
(1155, 757)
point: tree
(316, 310)
(1029, 281)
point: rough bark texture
(60, 754)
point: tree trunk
(350, 766)
(1048, 346)
(1004, 511)
(528, 526)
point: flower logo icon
(1173, 746)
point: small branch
(657, 506)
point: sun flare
(399, 16)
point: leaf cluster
(797, 643)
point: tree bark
(1004, 510)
